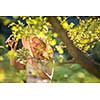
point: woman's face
(37, 46)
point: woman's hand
(12, 42)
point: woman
(38, 62)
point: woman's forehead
(34, 39)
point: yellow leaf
(18, 37)
(53, 42)
(41, 34)
(55, 35)
(61, 58)
(65, 25)
(71, 25)
(14, 28)
(85, 41)
(60, 50)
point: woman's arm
(13, 45)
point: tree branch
(79, 56)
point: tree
(77, 54)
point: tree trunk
(79, 56)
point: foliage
(22, 55)
(84, 36)
(39, 27)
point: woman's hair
(34, 37)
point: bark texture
(79, 56)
